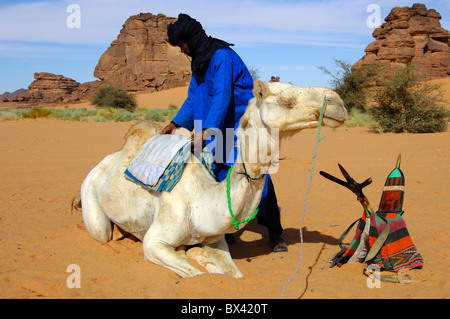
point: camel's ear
(260, 89)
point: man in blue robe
(218, 95)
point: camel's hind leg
(97, 223)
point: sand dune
(445, 87)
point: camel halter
(230, 209)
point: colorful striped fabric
(398, 250)
(395, 252)
(346, 252)
(393, 191)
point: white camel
(196, 212)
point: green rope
(234, 222)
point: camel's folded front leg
(202, 257)
(220, 255)
(165, 255)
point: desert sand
(44, 162)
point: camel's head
(288, 107)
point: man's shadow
(242, 249)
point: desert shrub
(80, 114)
(123, 115)
(9, 115)
(37, 112)
(100, 118)
(110, 96)
(357, 117)
(170, 112)
(352, 85)
(406, 104)
(104, 114)
(254, 72)
(154, 115)
(160, 115)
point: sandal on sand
(280, 247)
(277, 244)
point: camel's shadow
(242, 249)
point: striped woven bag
(381, 237)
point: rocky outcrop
(85, 92)
(47, 88)
(411, 35)
(141, 57)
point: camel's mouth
(332, 122)
(333, 117)
(335, 113)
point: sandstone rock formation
(47, 88)
(85, 92)
(411, 35)
(141, 57)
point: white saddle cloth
(155, 155)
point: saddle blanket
(159, 163)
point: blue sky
(286, 38)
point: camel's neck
(258, 145)
(245, 193)
(257, 148)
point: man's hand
(199, 140)
(169, 129)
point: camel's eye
(288, 98)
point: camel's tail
(76, 203)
